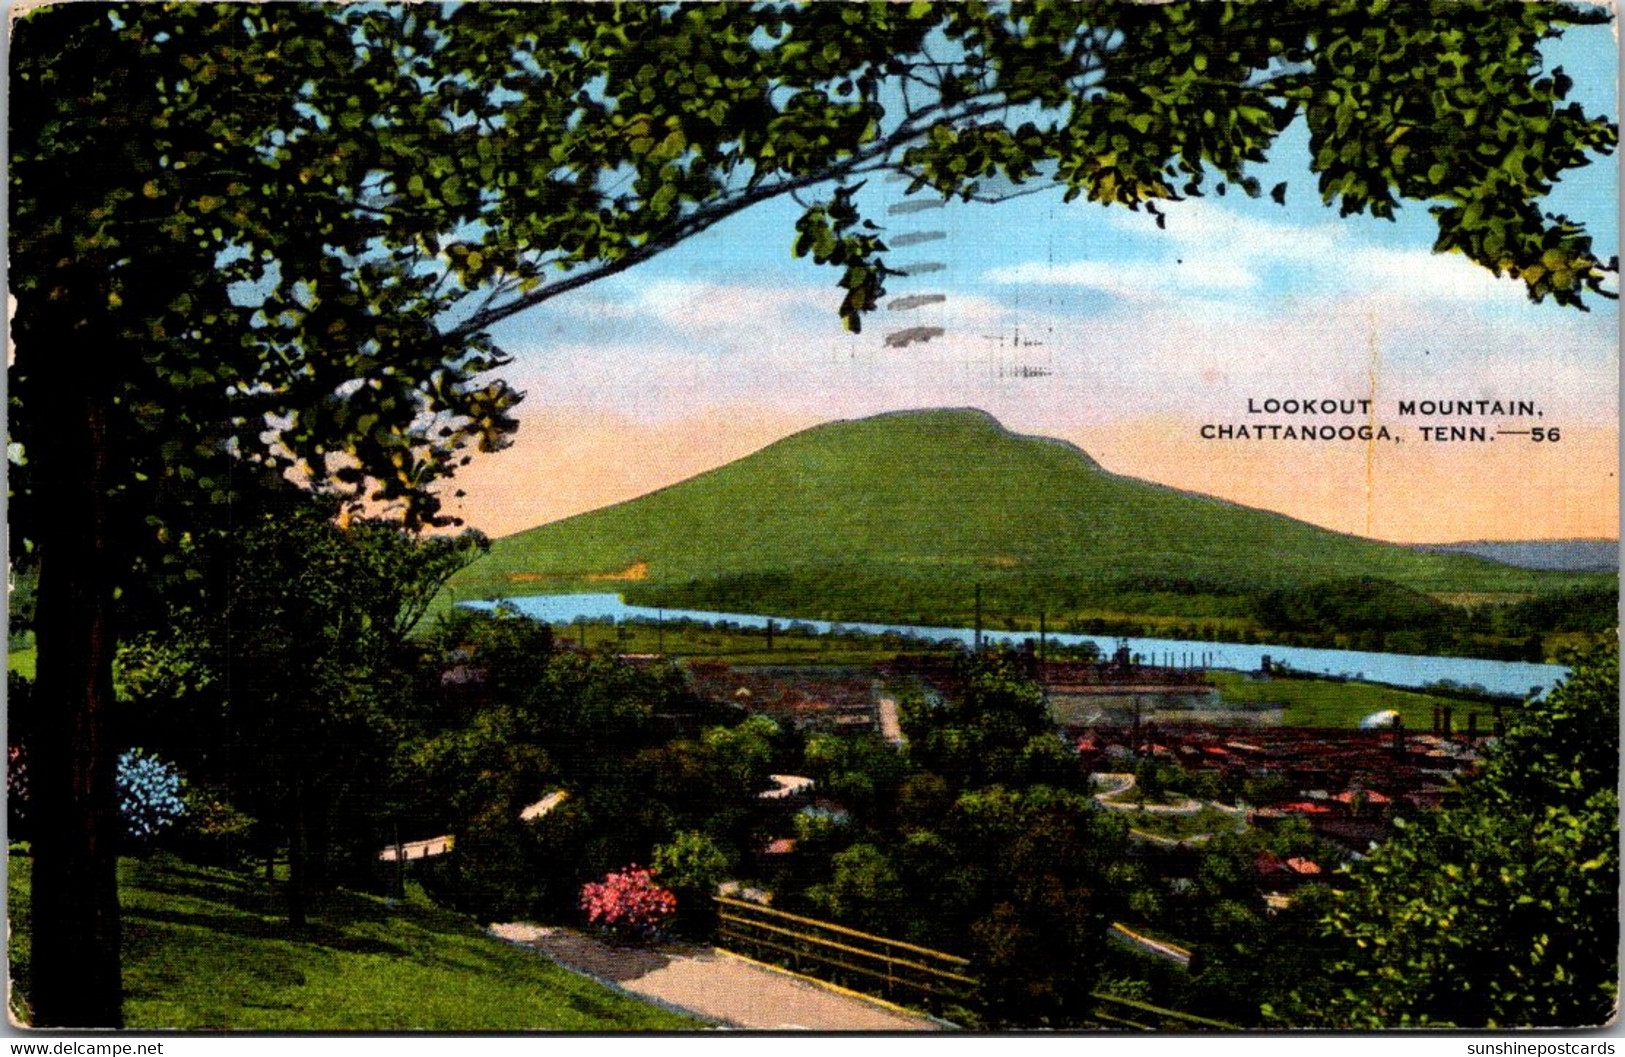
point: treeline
(512, 717)
(277, 678)
(1356, 613)
(981, 837)
(900, 594)
(1372, 614)
(1394, 939)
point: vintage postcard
(894, 517)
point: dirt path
(1110, 784)
(1120, 784)
(1182, 807)
(890, 727)
(714, 985)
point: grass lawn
(1182, 827)
(1321, 703)
(207, 948)
(21, 660)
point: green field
(1181, 826)
(1322, 703)
(899, 517)
(207, 949)
(21, 661)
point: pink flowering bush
(16, 791)
(628, 902)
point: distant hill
(1578, 556)
(901, 515)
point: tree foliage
(864, 890)
(505, 715)
(1248, 957)
(1502, 910)
(206, 232)
(345, 200)
(1050, 875)
(306, 629)
(998, 729)
(1356, 604)
(692, 861)
(972, 849)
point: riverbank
(1510, 678)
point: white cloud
(1217, 250)
(1131, 282)
(1422, 274)
(1220, 306)
(1209, 226)
(693, 302)
(710, 304)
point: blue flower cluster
(149, 794)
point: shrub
(628, 902)
(692, 860)
(149, 795)
(692, 866)
(16, 790)
(214, 831)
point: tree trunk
(298, 876)
(400, 864)
(75, 966)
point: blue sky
(1144, 333)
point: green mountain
(899, 516)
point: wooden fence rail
(890, 967)
(1113, 1011)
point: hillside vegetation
(204, 949)
(896, 517)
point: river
(1397, 669)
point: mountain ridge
(899, 515)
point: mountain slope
(1581, 556)
(900, 514)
